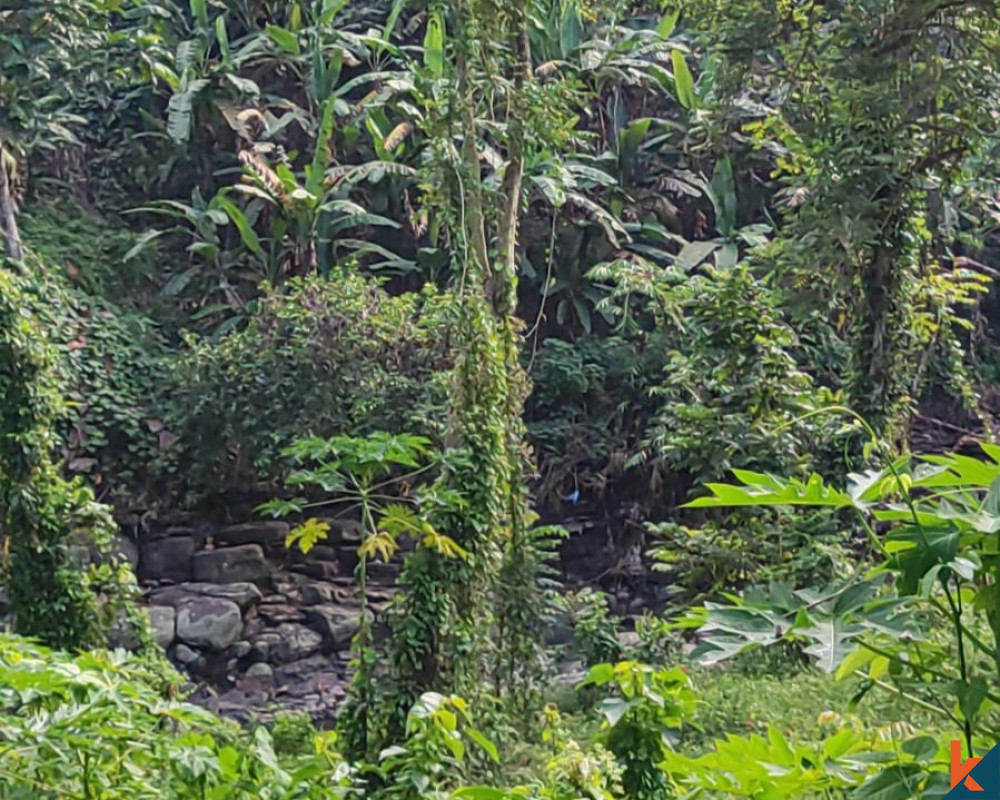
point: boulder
(124, 632)
(185, 655)
(167, 559)
(125, 550)
(260, 671)
(241, 649)
(344, 531)
(262, 644)
(276, 613)
(336, 623)
(231, 565)
(320, 552)
(318, 570)
(243, 594)
(270, 534)
(296, 642)
(209, 622)
(163, 621)
(314, 594)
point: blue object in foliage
(574, 496)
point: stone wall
(251, 621)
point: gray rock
(167, 559)
(260, 648)
(260, 672)
(267, 533)
(185, 655)
(123, 633)
(163, 621)
(209, 622)
(231, 565)
(241, 649)
(297, 642)
(125, 550)
(243, 594)
(344, 531)
(313, 594)
(319, 570)
(321, 552)
(336, 623)
(276, 613)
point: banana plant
(204, 71)
(307, 211)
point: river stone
(344, 531)
(209, 622)
(276, 613)
(262, 645)
(314, 594)
(336, 623)
(167, 559)
(297, 642)
(231, 565)
(163, 621)
(267, 533)
(259, 671)
(243, 594)
(241, 649)
(185, 655)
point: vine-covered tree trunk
(38, 509)
(8, 211)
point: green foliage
(360, 473)
(642, 720)
(109, 365)
(936, 515)
(731, 389)
(293, 734)
(321, 356)
(87, 249)
(594, 629)
(770, 765)
(873, 125)
(588, 405)
(804, 549)
(433, 759)
(50, 595)
(92, 725)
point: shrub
(588, 405)
(321, 357)
(39, 511)
(93, 726)
(731, 394)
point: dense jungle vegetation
(714, 280)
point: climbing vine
(45, 519)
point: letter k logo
(960, 772)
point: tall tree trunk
(8, 209)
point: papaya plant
(361, 474)
(924, 621)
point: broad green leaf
(247, 234)
(480, 793)
(434, 45)
(285, 39)
(898, 782)
(833, 640)
(667, 24)
(570, 28)
(683, 81)
(483, 742)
